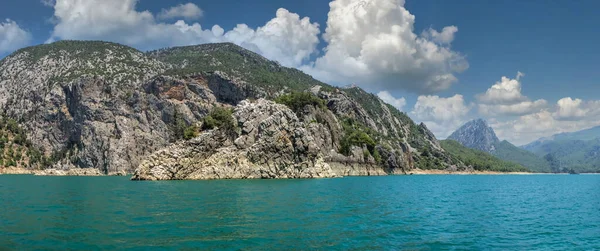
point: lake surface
(529, 212)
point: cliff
(110, 107)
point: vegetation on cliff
(235, 61)
(219, 117)
(15, 149)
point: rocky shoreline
(337, 172)
(57, 172)
(471, 172)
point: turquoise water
(537, 212)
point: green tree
(221, 118)
(296, 101)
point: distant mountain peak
(476, 134)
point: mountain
(478, 135)
(202, 112)
(576, 151)
(584, 135)
(509, 152)
(479, 160)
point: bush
(296, 101)
(355, 134)
(221, 118)
(190, 132)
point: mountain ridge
(570, 152)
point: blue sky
(554, 43)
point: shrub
(219, 117)
(190, 132)
(296, 101)
(355, 134)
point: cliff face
(107, 106)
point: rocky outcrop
(69, 172)
(270, 142)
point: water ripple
(538, 212)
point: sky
(530, 68)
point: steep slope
(479, 136)
(479, 160)
(15, 149)
(107, 106)
(98, 104)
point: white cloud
(531, 127)
(517, 109)
(576, 109)
(49, 3)
(373, 42)
(187, 11)
(441, 115)
(444, 37)
(507, 91)
(505, 98)
(286, 38)
(399, 103)
(12, 36)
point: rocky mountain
(575, 151)
(478, 135)
(110, 107)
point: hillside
(578, 151)
(479, 160)
(509, 152)
(478, 135)
(107, 106)
(578, 155)
(237, 62)
(15, 149)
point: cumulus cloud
(12, 36)
(187, 11)
(507, 91)
(286, 38)
(441, 115)
(575, 109)
(387, 97)
(373, 42)
(505, 98)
